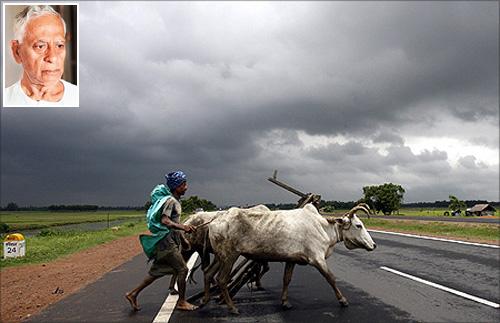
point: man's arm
(173, 225)
(170, 205)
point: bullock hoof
(343, 302)
(234, 311)
(286, 306)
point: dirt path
(26, 290)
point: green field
(430, 212)
(466, 231)
(24, 220)
(50, 245)
(423, 212)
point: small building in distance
(481, 209)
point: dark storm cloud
(226, 90)
(388, 137)
(426, 176)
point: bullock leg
(223, 278)
(327, 273)
(265, 269)
(287, 277)
(247, 274)
(208, 277)
(186, 254)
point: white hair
(28, 13)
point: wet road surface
(374, 294)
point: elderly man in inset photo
(39, 45)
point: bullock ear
(340, 221)
(331, 219)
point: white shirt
(14, 96)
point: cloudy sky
(335, 95)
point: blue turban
(175, 179)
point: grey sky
(335, 95)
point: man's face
(181, 189)
(42, 51)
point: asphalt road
(374, 294)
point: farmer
(164, 245)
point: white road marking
(168, 307)
(437, 239)
(444, 288)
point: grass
(465, 231)
(25, 220)
(424, 212)
(50, 245)
(431, 212)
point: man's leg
(171, 287)
(132, 295)
(181, 269)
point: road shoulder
(27, 290)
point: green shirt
(159, 196)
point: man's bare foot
(185, 306)
(133, 301)
(173, 291)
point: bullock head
(353, 230)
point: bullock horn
(366, 206)
(359, 207)
(332, 218)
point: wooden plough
(247, 272)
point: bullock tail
(191, 274)
(205, 256)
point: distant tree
(62, 207)
(384, 198)
(456, 204)
(328, 208)
(192, 203)
(281, 206)
(11, 207)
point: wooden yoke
(315, 199)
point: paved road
(375, 295)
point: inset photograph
(40, 55)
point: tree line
(386, 198)
(12, 206)
(445, 203)
(191, 204)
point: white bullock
(197, 240)
(299, 236)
